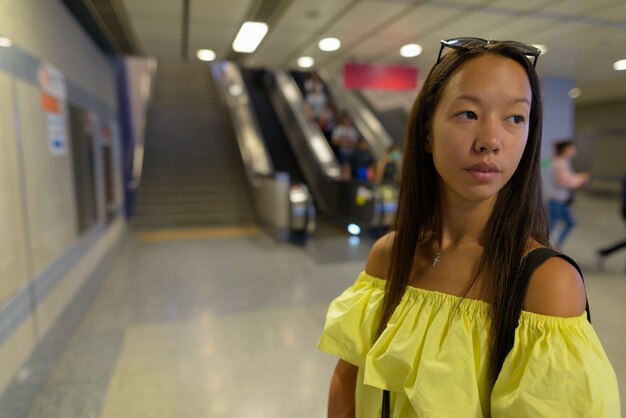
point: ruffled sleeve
(352, 320)
(557, 368)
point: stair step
(192, 198)
(193, 207)
(194, 219)
(192, 173)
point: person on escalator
(312, 82)
(316, 101)
(388, 168)
(327, 122)
(345, 137)
(362, 163)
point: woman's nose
(489, 138)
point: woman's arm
(342, 387)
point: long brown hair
(518, 213)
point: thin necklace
(440, 253)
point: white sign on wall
(54, 105)
(57, 134)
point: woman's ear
(427, 144)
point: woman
(432, 319)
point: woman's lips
(484, 172)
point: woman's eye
(517, 119)
(468, 114)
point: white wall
(43, 260)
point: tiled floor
(226, 326)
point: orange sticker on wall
(49, 104)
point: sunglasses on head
(467, 42)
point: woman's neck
(464, 222)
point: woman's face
(480, 128)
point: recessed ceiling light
(250, 36)
(543, 48)
(306, 62)
(619, 65)
(329, 44)
(411, 50)
(574, 93)
(5, 42)
(205, 55)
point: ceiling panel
(311, 15)
(364, 18)
(517, 29)
(147, 28)
(215, 35)
(173, 8)
(281, 42)
(527, 6)
(616, 14)
(416, 27)
(230, 11)
(461, 3)
(407, 29)
(578, 7)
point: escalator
(276, 141)
(394, 120)
(283, 204)
(366, 205)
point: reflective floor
(224, 324)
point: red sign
(49, 104)
(379, 77)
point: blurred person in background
(565, 181)
(361, 163)
(344, 138)
(316, 100)
(389, 167)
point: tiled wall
(13, 274)
(47, 30)
(49, 184)
(44, 261)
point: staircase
(193, 175)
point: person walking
(564, 181)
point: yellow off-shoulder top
(433, 358)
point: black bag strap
(386, 405)
(533, 260)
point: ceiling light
(329, 44)
(619, 65)
(306, 62)
(411, 50)
(250, 36)
(574, 93)
(5, 42)
(205, 55)
(543, 48)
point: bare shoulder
(380, 256)
(556, 289)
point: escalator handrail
(364, 119)
(315, 140)
(247, 131)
